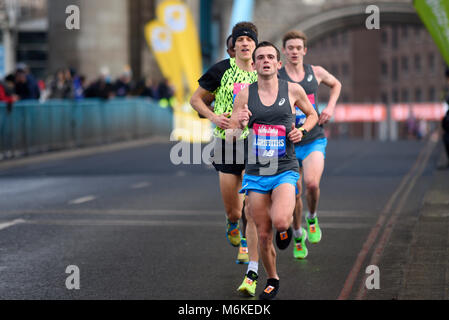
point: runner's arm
(301, 100)
(208, 100)
(198, 101)
(240, 113)
(329, 80)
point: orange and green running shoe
(249, 284)
(233, 233)
(313, 230)
(300, 250)
(242, 256)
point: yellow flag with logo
(177, 16)
(160, 38)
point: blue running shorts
(266, 184)
(303, 151)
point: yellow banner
(174, 40)
(177, 16)
(189, 127)
(160, 39)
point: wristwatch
(304, 131)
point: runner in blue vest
(311, 151)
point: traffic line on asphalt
(75, 153)
(382, 243)
(5, 225)
(165, 223)
(167, 212)
(140, 185)
(353, 274)
(82, 200)
(123, 223)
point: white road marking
(140, 185)
(171, 223)
(11, 223)
(82, 200)
(125, 223)
(180, 173)
(70, 154)
(173, 212)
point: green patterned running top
(225, 80)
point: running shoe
(300, 250)
(283, 238)
(242, 256)
(233, 233)
(314, 230)
(271, 290)
(249, 284)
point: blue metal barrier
(33, 127)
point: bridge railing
(33, 127)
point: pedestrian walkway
(426, 274)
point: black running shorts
(229, 157)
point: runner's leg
(283, 203)
(297, 213)
(313, 167)
(251, 236)
(259, 205)
(230, 185)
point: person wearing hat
(222, 82)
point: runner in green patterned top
(232, 81)
(222, 82)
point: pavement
(125, 217)
(415, 262)
(426, 273)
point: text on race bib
(239, 87)
(269, 140)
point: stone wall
(102, 40)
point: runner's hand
(222, 121)
(295, 135)
(325, 116)
(232, 135)
(243, 116)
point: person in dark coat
(445, 125)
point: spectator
(32, 91)
(122, 86)
(21, 86)
(165, 93)
(79, 87)
(445, 125)
(149, 89)
(102, 88)
(7, 96)
(61, 87)
(412, 126)
(7, 92)
(422, 129)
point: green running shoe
(242, 256)
(313, 229)
(249, 284)
(233, 233)
(300, 250)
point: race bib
(269, 140)
(300, 116)
(239, 87)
